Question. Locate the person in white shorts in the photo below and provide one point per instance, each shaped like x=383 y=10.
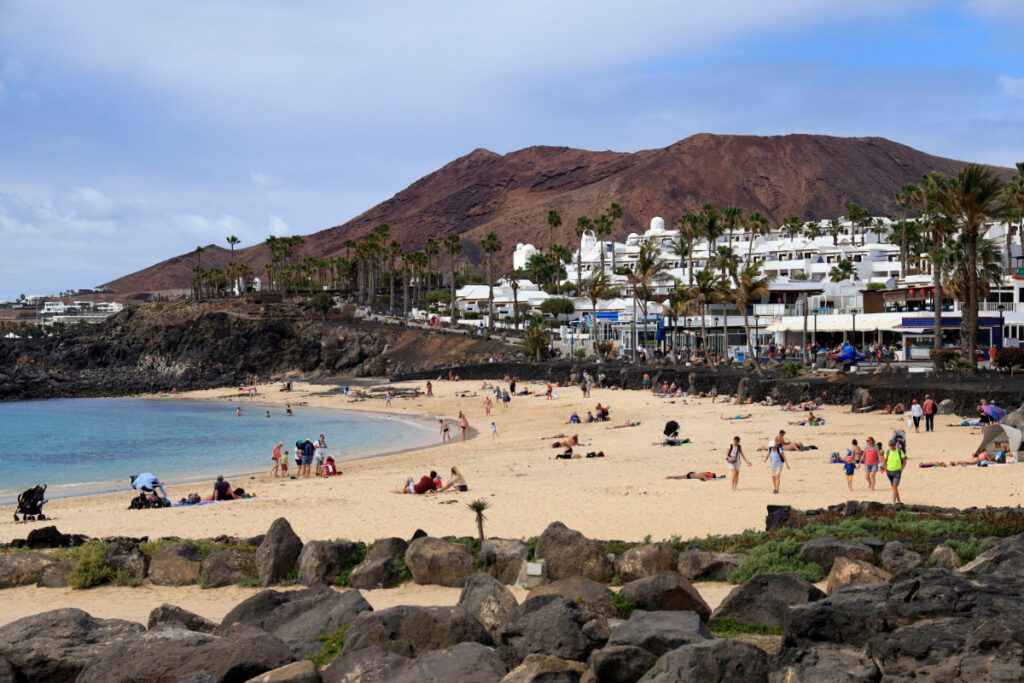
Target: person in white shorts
x=732 y=456
x=776 y=460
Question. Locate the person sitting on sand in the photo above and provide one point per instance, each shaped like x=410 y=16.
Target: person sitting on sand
x=426 y=485
x=457 y=481
x=590 y=417
x=810 y=421
x=329 y=469
x=745 y=416
x=222 y=490
x=980 y=456
x=897 y=409
x=702 y=476
x=627 y=423
x=574 y=418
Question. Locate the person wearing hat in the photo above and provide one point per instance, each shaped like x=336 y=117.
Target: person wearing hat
x=930 y=408
x=895 y=461
x=916 y=413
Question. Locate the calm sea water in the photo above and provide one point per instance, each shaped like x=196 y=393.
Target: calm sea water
x=77 y=445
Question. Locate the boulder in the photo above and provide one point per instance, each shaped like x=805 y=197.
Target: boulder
x=377 y=570
x=944 y=557
x=920 y=650
x=668 y=591
x=659 y=632
x=22 y=569
x=322 y=561
x=644 y=561
x=298 y=617
x=502 y=558
x=532 y=574
x=946 y=407
x=487 y=599
x=618 y=663
x=177 y=654
x=227 y=568
x=54 y=646
x=743 y=389
x=569 y=553
x=55 y=575
x=766 y=598
x=846 y=570
x=175 y=565
x=861 y=401
x=698 y=564
x=722 y=659
x=365 y=665
x=302 y=671
x=172 y=614
x=1005 y=558
x=7 y=672
x=46 y=538
x=817 y=663
x=278 y=553
x=544 y=669
x=896 y=557
x=825 y=550
x=410 y=630
x=438 y=562
x=125 y=557
x=550 y=625
x=778 y=516
x=464 y=662
x=590 y=595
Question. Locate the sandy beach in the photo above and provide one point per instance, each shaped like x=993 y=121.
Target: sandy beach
x=624 y=495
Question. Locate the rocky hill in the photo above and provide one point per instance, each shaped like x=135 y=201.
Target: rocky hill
x=155 y=347
x=812 y=176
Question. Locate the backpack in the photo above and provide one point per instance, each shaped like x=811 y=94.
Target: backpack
x=732 y=457
x=834 y=458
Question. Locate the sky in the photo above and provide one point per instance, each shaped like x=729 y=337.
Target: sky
x=132 y=131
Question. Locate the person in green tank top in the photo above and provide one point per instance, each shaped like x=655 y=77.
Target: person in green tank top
x=895 y=461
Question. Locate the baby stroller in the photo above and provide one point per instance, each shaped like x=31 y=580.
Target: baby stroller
x=900 y=437
x=146 y=499
x=30 y=503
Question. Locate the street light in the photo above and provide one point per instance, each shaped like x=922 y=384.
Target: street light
x=854 y=339
x=814 y=337
x=757 y=337
x=1001 y=309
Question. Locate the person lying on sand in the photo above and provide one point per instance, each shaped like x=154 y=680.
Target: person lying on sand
x=426 y=485
x=736 y=401
x=788 y=446
x=745 y=416
x=627 y=423
x=980 y=455
x=671 y=441
x=703 y=476
x=810 y=420
x=574 y=440
x=570 y=456
x=768 y=401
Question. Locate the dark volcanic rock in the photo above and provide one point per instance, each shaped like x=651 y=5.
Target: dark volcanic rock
x=721 y=659
x=618 y=663
x=175 y=565
x=666 y=591
x=298 y=617
x=823 y=663
x=53 y=647
x=377 y=569
x=502 y=558
x=487 y=599
x=659 y=632
x=172 y=614
x=545 y=669
x=766 y=599
x=47 y=537
x=896 y=558
x=825 y=550
x=227 y=568
x=698 y=564
x=55 y=575
x=322 y=561
x=125 y=556
x=1008 y=556
x=588 y=594
x=278 y=552
x=410 y=631
x=302 y=671
x=550 y=625
x=22 y=569
x=464 y=662
x=439 y=562
x=569 y=553
x=645 y=561
x=365 y=665
x=178 y=654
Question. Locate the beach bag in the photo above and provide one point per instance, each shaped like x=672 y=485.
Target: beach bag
x=834 y=458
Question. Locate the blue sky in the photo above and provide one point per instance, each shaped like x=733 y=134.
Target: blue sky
x=131 y=131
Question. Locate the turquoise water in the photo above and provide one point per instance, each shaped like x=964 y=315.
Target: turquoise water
x=82 y=444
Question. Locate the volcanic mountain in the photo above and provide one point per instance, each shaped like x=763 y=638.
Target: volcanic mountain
x=811 y=176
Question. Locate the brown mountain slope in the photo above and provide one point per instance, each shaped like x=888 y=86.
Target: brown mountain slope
x=812 y=176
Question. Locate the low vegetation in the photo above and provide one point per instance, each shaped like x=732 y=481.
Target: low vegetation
x=727 y=628
x=333 y=645
x=88 y=568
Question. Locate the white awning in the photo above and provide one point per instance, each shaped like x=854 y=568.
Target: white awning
x=866 y=322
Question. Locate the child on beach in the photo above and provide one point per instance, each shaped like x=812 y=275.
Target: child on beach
x=494 y=430
x=849 y=467
x=284 y=464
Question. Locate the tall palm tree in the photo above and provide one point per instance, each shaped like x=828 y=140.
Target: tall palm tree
x=939 y=226
x=812 y=230
x=431 y=249
x=490 y=245
x=647 y=272
x=680 y=299
x=394 y=251
x=707 y=289
x=956 y=278
x=835 y=228
x=513 y=277
x=793 y=225
x=909 y=196
x=758 y=226
x=614 y=213
x=731 y=217
x=583 y=223
x=750 y=285
x=554 y=221
x=859 y=216
x=710 y=225
x=602 y=229
x=453 y=247
x=689 y=228
x=971 y=199
x=232 y=241
x=599 y=286
x=560 y=255
x=199 y=256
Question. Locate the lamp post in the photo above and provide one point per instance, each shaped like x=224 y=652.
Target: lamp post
x=854 y=338
x=1001 y=309
x=757 y=337
x=814 y=335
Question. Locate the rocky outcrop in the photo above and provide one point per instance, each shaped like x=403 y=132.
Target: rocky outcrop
x=302 y=671
x=826 y=662
x=278 y=553
x=502 y=558
x=697 y=564
x=175 y=565
x=377 y=570
x=712 y=660
x=323 y=561
x=167 y=614
x=365 y=665
x=550 y=625
x=410 y=631
x=545 y=669
x=487 y=599
x=618 y=663
x=659 y=632
x=590 y=595
x=1006 y=557
x=825 y=550
x=845 y=570
x=22 y=569
x=439 y=562
x=896 y=557
x=124 y=557
x=667 y=591
x=945 y=557
x=644 y=561
x=468 y=662
x=227 y=568
x=570 y=553
x=766 y=598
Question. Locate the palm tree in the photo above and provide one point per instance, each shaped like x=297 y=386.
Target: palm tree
x=554 y=221
x=490 y=245
x=909 y=196
x=1013 y=201
x=512 y=277
x=731 y=217
x=859 y=216
x=232 y=241
x=540 y=267
x=750 y=285
x=453 y=247
x=710 y=225
x=812 y=230
x=394 y=251
x=758 y=226
x=969 y=201
x=199 y=256
x=599 y=286
x=844 y=270
x=834 y=228
x=793 y=226
x=680 y=299
x=939 y=226
x=561 y=255
x=689 y=229
x=431 y=249
x=479 y=506
x=707 y=289
x=648 y=271
x=583 y=223
x=989 y=273
x=602 y=229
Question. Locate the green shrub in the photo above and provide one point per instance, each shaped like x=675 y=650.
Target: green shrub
x=791 y=369
x=773 y=557
x=150 y=548
x=88 y=569
x=333 y=645
x=125 y=578
x=350 y=564
x=401 y=569
x=531 y=546
x=624 y=607
x=967 y=550
x=727 y=628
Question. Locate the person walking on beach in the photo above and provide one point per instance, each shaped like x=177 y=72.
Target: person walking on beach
x=733 y=455
x=463 y=425
x=430 y=389
x=320 y=453
x=275 y=457
x=776 y=460
x=929 y=408
x=494 y=430
x=445 y=433
x=871 y=456
x=284 y=464
x=895 y=461
x=487 y=405
x=387 y=400
x=916 y=413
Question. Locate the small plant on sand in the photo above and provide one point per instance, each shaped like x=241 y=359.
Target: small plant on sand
x=479 y=506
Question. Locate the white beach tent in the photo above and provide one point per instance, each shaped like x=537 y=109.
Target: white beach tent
x=999 y=433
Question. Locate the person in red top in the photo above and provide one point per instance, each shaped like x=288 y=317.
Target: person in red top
x=930 y=408
x=426 y=484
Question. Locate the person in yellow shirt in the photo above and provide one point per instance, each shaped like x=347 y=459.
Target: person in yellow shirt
x=895 y=461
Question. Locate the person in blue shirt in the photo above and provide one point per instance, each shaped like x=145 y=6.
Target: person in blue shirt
x=147 y=483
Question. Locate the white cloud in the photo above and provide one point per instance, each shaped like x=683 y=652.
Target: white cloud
x=263 y=179
x=1013 y=87
x=90 y=201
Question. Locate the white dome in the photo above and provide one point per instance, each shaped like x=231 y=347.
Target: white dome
x=657 y=224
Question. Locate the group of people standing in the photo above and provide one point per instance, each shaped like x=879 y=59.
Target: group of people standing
x=307 y=452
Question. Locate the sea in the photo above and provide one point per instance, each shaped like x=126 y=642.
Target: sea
x=86 y=445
